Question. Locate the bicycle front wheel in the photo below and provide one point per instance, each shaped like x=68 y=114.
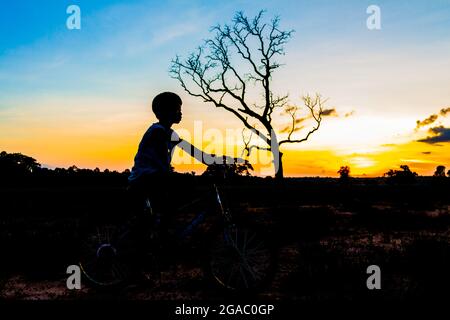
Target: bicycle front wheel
x=241 y=259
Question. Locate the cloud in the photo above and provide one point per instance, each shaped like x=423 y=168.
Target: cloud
x=431 y=119
x=333 y=113
x=325 y=113
x=438 y=134
x=349 y=114
x=444 y=111
x=289 y=128
x=437 y=130
x=329 y=113
x=426 y=152
x=175 y=31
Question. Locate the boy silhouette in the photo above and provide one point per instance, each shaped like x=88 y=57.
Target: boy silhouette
x=152 y=174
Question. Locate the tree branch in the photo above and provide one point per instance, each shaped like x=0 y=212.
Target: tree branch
x=311 y=104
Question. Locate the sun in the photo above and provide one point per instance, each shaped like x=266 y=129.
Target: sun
x=361 y=162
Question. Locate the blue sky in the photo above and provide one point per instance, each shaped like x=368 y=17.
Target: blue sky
x=30 y=23
x=127 y=46
x=111 y=69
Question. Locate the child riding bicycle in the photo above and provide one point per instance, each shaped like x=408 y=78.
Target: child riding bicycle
x=152 y=174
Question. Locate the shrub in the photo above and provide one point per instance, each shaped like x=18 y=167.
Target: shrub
x=405 y=175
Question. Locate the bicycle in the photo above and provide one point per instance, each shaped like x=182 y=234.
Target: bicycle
x=239 y=257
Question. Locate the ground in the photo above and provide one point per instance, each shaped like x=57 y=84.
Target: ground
x=325 y=233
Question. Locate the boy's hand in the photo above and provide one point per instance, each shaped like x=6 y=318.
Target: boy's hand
x=231 y=160
x=239 y=160
x=222 y=160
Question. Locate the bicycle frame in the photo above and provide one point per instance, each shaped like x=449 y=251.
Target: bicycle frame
x=199 y=218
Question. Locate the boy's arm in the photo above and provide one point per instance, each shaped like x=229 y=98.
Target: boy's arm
x=196 y=153
x=204 y=157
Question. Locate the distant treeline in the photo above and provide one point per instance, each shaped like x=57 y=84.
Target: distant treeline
x=16 y=168
x=403 y=175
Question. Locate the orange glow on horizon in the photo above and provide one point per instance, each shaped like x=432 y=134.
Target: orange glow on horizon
x=112 y=143
x=118 y=155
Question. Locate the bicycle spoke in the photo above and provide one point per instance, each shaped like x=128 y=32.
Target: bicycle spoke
x=244 y=247
x=249 y=269
x=108 y=240
x=251 y=238
x=231 y=274
x=240 y=259
x=243 y=276
x=99 y=238
x=117 y=271
x=100 y=263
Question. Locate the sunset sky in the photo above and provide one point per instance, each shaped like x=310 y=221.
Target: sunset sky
x=83 y=97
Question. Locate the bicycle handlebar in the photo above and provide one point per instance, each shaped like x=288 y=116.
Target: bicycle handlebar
x=223 y=160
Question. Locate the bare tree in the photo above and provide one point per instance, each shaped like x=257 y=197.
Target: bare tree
x=213 y=74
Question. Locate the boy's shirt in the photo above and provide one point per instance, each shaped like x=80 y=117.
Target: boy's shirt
x=155 y=152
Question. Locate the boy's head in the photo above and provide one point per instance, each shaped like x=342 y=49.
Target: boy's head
x=167 y=107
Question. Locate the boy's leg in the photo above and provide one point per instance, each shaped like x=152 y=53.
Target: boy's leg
x=146 y=207
x=156 y=193
x=164 y=193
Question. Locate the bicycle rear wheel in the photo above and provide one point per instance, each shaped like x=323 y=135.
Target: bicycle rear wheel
x=106 y=255
x=241 y=259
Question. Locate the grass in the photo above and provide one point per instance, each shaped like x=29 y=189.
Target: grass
x=327 y=234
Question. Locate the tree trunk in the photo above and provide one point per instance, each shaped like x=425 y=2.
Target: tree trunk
x=278 y=168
